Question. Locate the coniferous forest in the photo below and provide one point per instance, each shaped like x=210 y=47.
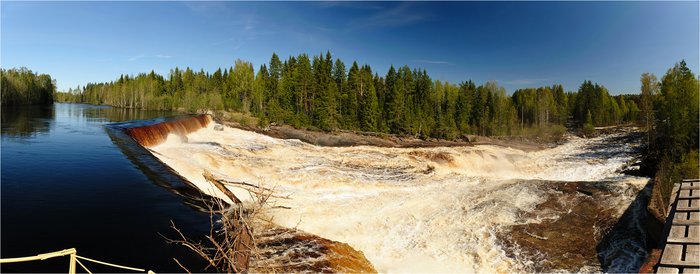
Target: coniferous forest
x=322 y=93
x=670 y=114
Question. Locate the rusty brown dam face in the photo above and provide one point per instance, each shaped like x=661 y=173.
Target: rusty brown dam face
x=155 y=134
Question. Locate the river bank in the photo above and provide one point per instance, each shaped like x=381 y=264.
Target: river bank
x=344 y=138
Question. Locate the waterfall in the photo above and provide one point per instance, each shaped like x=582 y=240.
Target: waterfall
x=155 y=134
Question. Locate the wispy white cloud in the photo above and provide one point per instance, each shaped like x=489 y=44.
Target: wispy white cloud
x=136 y=57
x=435 y=62
x=163 y=56
x=400 y=15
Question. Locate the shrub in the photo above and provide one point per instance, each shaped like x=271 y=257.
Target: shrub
x=588 y=130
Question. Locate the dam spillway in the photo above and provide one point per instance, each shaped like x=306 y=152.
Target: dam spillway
x=442 y=209
x=155 y=134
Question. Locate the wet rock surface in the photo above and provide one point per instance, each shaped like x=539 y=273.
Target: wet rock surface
x=574 y=219
x=293 y=251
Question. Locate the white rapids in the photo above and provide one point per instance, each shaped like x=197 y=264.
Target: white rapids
x=406 y=209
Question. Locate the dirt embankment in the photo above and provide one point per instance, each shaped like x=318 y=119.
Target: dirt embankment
x=347 y=138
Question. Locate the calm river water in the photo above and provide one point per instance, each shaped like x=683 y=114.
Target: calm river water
x=69 y=180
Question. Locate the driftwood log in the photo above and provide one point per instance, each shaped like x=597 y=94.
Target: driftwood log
x=243 y=243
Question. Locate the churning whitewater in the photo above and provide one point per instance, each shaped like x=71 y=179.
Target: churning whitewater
x=407 y=209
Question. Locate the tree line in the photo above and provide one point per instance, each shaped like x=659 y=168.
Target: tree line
x=320 y=92
x=24 y=87
x=670 y=113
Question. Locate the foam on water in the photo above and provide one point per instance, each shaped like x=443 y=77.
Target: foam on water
x=407 y=209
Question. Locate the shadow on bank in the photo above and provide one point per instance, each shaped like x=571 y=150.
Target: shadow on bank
x=625 y=248
x=159 y=173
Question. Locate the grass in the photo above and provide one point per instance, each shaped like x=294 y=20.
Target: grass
x=244 y=119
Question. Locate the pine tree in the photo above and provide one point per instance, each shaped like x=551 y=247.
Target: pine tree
x=304 y=89
x=464 y=105
x=391 y=108
x=350 y=97
x=340 y=78
x=323 y=101
x=368 y=104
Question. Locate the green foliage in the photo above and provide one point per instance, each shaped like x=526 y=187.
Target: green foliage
x=672 y=171
x=323 y=103
x=68 y=97
x=540 y=107
x=317 y=92
x=605 y=110
x=588 y=129
x=673 y=135
x=650 y=88
x=552 y=133
x=24 y=87
x=689 y=167
x=368 y=113
x=241 y=86
x=677 y=112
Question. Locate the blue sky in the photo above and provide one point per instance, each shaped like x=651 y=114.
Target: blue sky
x=518 y=44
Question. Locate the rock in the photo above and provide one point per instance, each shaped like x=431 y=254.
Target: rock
x=568 y=242
x=219 y=128
x=292 y=251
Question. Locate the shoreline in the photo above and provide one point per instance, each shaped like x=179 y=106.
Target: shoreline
x=343 y=138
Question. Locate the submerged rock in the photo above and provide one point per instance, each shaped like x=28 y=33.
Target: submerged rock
x=575 y=218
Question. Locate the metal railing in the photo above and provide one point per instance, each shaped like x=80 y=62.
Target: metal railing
x=73 y=253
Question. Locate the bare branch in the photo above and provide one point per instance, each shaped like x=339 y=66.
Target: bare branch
x=182 y=266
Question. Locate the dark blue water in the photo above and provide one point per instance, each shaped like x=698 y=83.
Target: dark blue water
x=71 y=179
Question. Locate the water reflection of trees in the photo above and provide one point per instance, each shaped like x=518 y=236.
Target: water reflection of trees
x=111 y=114
x=158 y=172
x=26 y=121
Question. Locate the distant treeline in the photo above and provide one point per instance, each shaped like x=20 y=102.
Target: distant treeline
x=670 y=112
x=24 y=87
x=321 y=93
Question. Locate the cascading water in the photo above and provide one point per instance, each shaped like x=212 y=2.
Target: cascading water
x=152 y=135
x=440 y=209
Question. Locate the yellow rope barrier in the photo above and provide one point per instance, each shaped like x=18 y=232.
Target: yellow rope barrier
x=42 y=256
x=112 y=265
x=81 y=264
x=70 y=252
